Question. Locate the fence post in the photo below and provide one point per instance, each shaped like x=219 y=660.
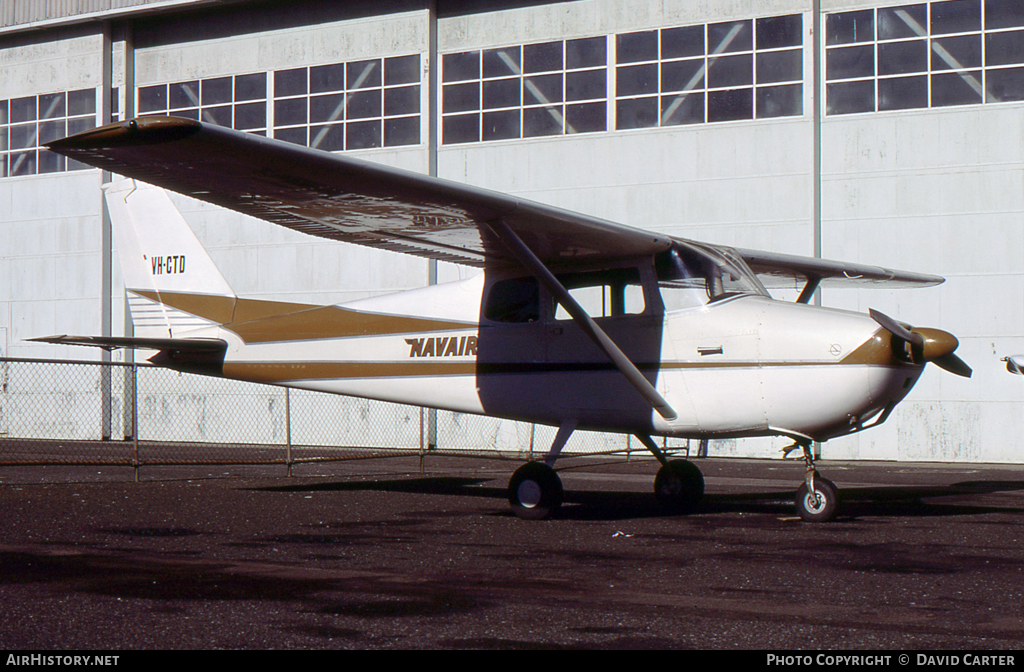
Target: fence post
x=288 y=428
x=135 y=418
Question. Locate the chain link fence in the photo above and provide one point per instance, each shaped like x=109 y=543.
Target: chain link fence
x=100 y=413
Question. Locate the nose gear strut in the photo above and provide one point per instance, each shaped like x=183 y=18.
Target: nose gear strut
x=817 y=498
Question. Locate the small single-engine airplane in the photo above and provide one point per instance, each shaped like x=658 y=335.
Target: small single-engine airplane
x=575 y=322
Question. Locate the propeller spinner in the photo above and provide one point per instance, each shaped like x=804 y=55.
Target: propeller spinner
x=921 y=345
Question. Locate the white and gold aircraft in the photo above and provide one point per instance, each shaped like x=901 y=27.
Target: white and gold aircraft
x=575 y=322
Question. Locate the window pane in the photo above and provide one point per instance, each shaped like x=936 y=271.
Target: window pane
x=52 y=130
x=295 y=136
x=636 y=79
x=731 y=36
x=633 y=47
x=3 y=138
x=1000 y=49
x=542 y=89
x=959 y=16
x=364 y=104
x=1001 y=85
x=682 y=42
x=502 y=125
x=461 y=66
x=586 y=118
x=502 y=93
x=218 y=115
x=290 y=112
x=954 y=53
x=850 y=27
x=402 y=100
x=730 y=105
x=49 y=162
x=682 y=75
x=402 y=70
x=543 y=57
x=906 y=21
x=152 y=98
x=327 y=78
x=52 y=106
x=585 y=85
x=216 y=91
x=23 y=163
x=731 y=71
x=251 y=115
x=780 y=101
x=363 y=135
x=962 y=88
x=24 y=136
x=82 y=101
x=363 y=74
x=184 y=94
x=683 y=109
x=539 y=121
x=586 y=53
x=850 y=62
x=1004 y=14
x=461 y=128
x=330 y=138
x=461 y=97
x=780 y=31
x=780 y=66
x=502 y=62
x=896 y=58
x=290 y=82
x=327 y=108
x=902 y=93
x=404 y=131
x=850 y=97
x=251 y=87
x=81 y=125
x=23 y=109
x=3 y=112
x=636 y=113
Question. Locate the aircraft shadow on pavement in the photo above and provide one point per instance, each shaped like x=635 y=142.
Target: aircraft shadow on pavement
x=891 y=501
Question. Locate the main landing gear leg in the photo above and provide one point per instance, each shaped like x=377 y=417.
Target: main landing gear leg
x=535 y=490
x=817 y=498
x=679 y=485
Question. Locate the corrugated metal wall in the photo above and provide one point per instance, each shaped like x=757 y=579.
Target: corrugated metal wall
x=24 y=12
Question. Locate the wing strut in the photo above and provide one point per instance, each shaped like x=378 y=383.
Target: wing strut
x=526 y=256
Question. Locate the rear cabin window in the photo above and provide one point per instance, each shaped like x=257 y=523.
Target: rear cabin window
x=604 y=293
x=515 y=300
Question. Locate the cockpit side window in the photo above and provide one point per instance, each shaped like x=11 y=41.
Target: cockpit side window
x=513 y=300
x=607 y=293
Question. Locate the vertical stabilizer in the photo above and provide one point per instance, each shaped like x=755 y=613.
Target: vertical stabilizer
x=173 y=285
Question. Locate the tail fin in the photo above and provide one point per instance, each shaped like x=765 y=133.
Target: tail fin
x=173 y=285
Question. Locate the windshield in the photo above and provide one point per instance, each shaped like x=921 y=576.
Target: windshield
x=691 y=274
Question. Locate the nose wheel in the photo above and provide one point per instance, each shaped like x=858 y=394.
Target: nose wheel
x=817 y=498
x=679 y=486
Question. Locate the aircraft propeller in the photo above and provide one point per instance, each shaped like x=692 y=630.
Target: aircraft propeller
x=921 y=345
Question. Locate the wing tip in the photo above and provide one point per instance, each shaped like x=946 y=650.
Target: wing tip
x=134 y=132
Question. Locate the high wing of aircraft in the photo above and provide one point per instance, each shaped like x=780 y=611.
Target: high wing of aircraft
x=575 y=321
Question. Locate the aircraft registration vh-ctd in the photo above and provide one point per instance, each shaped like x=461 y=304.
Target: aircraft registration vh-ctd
x=574 y=322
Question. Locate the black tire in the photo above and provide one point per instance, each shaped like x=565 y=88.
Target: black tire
x=818 y=509
x=679 y=486
x=535 y=491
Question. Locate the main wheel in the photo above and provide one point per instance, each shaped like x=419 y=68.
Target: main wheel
x=821 y=506
x=679 y=486
x=535 y=491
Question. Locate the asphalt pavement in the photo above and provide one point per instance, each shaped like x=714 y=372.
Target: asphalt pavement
x=410 y=554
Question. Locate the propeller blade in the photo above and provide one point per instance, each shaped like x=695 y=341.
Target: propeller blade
x=896 y=328
x=954 y=364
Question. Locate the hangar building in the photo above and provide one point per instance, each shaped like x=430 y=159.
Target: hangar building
x=873 y=131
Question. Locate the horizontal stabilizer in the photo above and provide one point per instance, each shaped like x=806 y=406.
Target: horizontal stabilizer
x=117 y=342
